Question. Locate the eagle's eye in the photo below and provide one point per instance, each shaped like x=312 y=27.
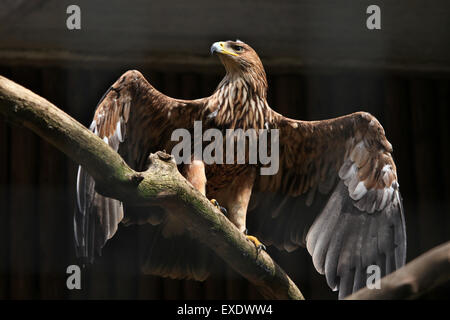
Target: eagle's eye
x=237 y=48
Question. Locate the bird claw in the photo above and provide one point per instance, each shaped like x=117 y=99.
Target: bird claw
x=218 y=206
x=258 y=244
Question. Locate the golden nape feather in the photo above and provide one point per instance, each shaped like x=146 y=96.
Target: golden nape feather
x=335 y=189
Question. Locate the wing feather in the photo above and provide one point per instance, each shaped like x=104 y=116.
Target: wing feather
x=134 y=119
x=337 y=190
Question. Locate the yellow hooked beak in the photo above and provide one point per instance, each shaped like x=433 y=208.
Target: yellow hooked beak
x=219 y=47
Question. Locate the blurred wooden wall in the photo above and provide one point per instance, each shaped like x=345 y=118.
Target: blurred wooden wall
x=37 y=182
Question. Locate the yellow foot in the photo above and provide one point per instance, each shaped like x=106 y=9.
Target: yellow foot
x=259 y=246
x=216 y=204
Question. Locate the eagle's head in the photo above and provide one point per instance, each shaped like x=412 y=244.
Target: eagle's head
x=241 y=62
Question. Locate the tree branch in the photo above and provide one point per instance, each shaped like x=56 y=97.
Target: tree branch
x=161 y=184
x=429 y=272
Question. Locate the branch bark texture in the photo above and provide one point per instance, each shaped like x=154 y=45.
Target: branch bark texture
x=161 y=184
x=427 y=273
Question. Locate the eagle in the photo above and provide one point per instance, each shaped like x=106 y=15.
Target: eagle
x=336 y=191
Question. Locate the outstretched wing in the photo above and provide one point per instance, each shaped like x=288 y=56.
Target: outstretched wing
x=134 y=119
x=336 y=190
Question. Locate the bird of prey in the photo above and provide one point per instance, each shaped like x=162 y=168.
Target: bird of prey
x=336 y=190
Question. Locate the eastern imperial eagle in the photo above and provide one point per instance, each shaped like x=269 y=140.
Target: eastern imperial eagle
x=336 y=189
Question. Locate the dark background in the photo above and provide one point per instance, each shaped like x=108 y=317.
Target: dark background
x=321 y=62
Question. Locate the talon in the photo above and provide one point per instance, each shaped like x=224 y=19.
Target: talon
x=259 y=246
x=218 y=206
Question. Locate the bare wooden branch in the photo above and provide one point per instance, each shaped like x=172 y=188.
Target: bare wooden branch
x=426 y=273
x=160 y=184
